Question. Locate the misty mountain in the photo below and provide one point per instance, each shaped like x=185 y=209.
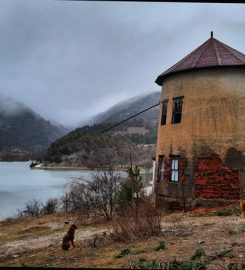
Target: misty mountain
x=23 y=132
x=129 y=107
x=83 y=145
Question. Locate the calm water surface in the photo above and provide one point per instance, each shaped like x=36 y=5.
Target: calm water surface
x=19 y=184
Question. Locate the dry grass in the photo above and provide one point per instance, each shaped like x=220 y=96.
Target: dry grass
x=34 y=229
x=21 y=228
x=208 y=233
x=140 y=220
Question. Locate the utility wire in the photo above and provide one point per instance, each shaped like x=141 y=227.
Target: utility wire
x=107 y=129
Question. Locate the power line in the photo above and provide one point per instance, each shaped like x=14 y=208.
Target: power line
x=107 y=129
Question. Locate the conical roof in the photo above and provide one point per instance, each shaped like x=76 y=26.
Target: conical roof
x=211 y=53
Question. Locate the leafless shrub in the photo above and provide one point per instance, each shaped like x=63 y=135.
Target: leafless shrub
x=130 y=188
x=79 y=203
x=32 y=209
x=97 y=240
x=50 y=207
x=35 y=208
x=140 y=220
x=64 y=200
x=96 y=196
x=228 y=227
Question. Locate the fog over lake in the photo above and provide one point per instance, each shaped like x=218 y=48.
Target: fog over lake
x=20 y=184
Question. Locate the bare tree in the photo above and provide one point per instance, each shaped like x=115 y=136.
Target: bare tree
x=78 y=200
x=65 y=198
x=32 y=208
x=50 y=207
x=97 y=195
x=138 y=220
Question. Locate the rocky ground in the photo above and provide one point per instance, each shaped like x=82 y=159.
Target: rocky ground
x=37 y=242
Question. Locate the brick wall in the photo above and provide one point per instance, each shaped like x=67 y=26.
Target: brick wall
x=215 y=180
x=182 y=167
x=166 y=170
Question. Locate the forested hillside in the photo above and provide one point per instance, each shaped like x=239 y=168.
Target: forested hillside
x=85 y=145
x=24 y=134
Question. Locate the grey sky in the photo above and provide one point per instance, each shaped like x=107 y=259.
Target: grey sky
x=70 y=60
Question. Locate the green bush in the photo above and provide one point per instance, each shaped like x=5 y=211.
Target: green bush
x=161 y=245
x=241 y=228
x=228 y=212
x=234 y=211
x=194 y=263
x=235 y=266
x=123 y=252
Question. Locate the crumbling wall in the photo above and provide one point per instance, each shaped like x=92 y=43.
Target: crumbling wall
x=211 y=135
x=235 y=159
x=215 y=180
x=175 y=195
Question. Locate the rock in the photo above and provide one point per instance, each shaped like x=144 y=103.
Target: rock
x=201 y=241
x=16 y=256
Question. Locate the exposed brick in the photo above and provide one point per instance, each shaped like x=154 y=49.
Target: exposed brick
x=214 y=180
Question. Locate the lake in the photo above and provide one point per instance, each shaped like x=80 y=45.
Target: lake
x=20 y=184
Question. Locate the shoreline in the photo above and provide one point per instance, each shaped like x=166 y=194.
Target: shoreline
x=61 y=168
x=80 y=168
x=71 y=168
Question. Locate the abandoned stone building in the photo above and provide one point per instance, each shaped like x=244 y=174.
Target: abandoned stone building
x=200 y=153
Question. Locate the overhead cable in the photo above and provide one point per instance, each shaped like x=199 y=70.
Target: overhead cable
x=119 y=123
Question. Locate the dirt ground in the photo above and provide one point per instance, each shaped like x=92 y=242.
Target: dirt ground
x=36 y=242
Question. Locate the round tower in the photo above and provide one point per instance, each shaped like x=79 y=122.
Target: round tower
x=201 y=131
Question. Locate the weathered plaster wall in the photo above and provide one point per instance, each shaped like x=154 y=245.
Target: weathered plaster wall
x=213 y=112
x=211 y=135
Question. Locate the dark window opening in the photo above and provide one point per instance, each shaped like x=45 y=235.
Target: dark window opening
x=164 y=113
x=174 y=173
x=160 y=168
x=177 y=110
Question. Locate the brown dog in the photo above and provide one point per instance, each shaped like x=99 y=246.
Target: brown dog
x=69 y=237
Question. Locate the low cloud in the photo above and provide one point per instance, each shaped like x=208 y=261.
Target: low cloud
x=9 y=106
x=69 y=60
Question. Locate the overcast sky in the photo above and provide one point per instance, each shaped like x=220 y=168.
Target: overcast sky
x=69 y=60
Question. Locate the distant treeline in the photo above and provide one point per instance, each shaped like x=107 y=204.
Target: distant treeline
x=85 y=145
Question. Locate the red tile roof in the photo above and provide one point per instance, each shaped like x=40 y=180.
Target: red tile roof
x=211 y=53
